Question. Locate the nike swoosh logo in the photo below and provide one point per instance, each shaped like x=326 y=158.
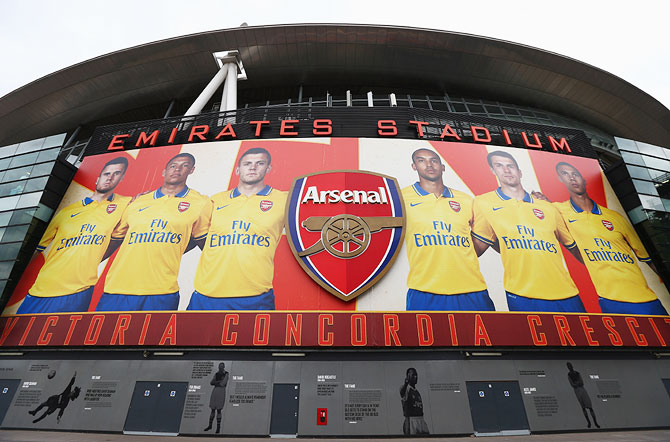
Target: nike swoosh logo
x=414 y=204
x=221 y=207
x=497 y=208
x=74 y=214
x=572 y=220
x=143 y=208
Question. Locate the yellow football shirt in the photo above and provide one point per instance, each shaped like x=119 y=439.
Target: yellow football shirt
x=528 y=232
x=442 y=259
x=80 y=234
x=238 y=258
x=156 y=229
x=607 y=243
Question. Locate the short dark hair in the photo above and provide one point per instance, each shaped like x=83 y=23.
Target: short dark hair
x=118 y=160
x=255 y=150
x=563 y=163
x=500 y=153
x=427 y=150
x=411 y=369
x=183 y=154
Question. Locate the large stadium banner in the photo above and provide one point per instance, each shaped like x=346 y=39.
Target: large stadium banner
x=339 y=242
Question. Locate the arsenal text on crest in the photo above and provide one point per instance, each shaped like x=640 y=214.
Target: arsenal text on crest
x=347 y=196
x=345 y=228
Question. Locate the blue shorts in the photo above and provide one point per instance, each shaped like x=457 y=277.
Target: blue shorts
x=136 y=303
x=264 y=301
x=470 y=302
x=518 y=303
x=632 y=308
x=76 y=302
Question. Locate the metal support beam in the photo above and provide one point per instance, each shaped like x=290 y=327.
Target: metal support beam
x=207 y=93
x=169 y=109
x=72 y=137
x=231 y=83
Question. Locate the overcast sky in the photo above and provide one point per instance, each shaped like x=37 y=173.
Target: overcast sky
x=628 y=39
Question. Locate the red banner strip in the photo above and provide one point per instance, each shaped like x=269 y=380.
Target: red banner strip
x=333 y=329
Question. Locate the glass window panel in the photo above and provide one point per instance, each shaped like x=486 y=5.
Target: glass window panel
x=30 y=146
x=8 y=151
x=657 y=163
x=476 y=108
x=526 y=113
x=17 y=174
x=651 y=202
x=43 y=212
x=23 y=160
x=637 y=215
x=632 y=158
x=4 y=163
x=35 y=184
x=15 y=233
x=494 y=110
x=23 y=216
x=9 y=202
x=42 y=169
x=10 y=251
x=510 y=111
x=626 y=144
x=14 y=188
x=422 y=104
x=459 y=107
x=54 y=140
x=644 y=187
x=28 y=200
x=666 y=204
x=5 y=269
x=2 y=233
x=657 y=175
x=48 y=155
x=638 y=172
x=5 y=217
x=650 y=149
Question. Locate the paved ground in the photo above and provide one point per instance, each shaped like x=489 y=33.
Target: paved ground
x=594 y=436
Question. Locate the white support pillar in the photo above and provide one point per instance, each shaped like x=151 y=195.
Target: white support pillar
x=224 y=95
x=231 y=86
x=207 y=93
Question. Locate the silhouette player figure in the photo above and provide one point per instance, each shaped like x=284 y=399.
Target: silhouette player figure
x=577 y=383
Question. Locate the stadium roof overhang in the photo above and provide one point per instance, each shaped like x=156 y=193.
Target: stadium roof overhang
x=283 y=55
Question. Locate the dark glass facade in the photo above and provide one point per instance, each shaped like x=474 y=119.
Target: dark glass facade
x=32 y=182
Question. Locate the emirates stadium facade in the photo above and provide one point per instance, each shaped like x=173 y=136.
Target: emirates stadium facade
x=334 y=230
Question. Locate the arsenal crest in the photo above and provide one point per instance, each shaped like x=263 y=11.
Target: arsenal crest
x=266 y=205
x=111 y=208
x=538 y=213
x=345 y=228
x=608 y=225
x=455 y=206
x=183 y=206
